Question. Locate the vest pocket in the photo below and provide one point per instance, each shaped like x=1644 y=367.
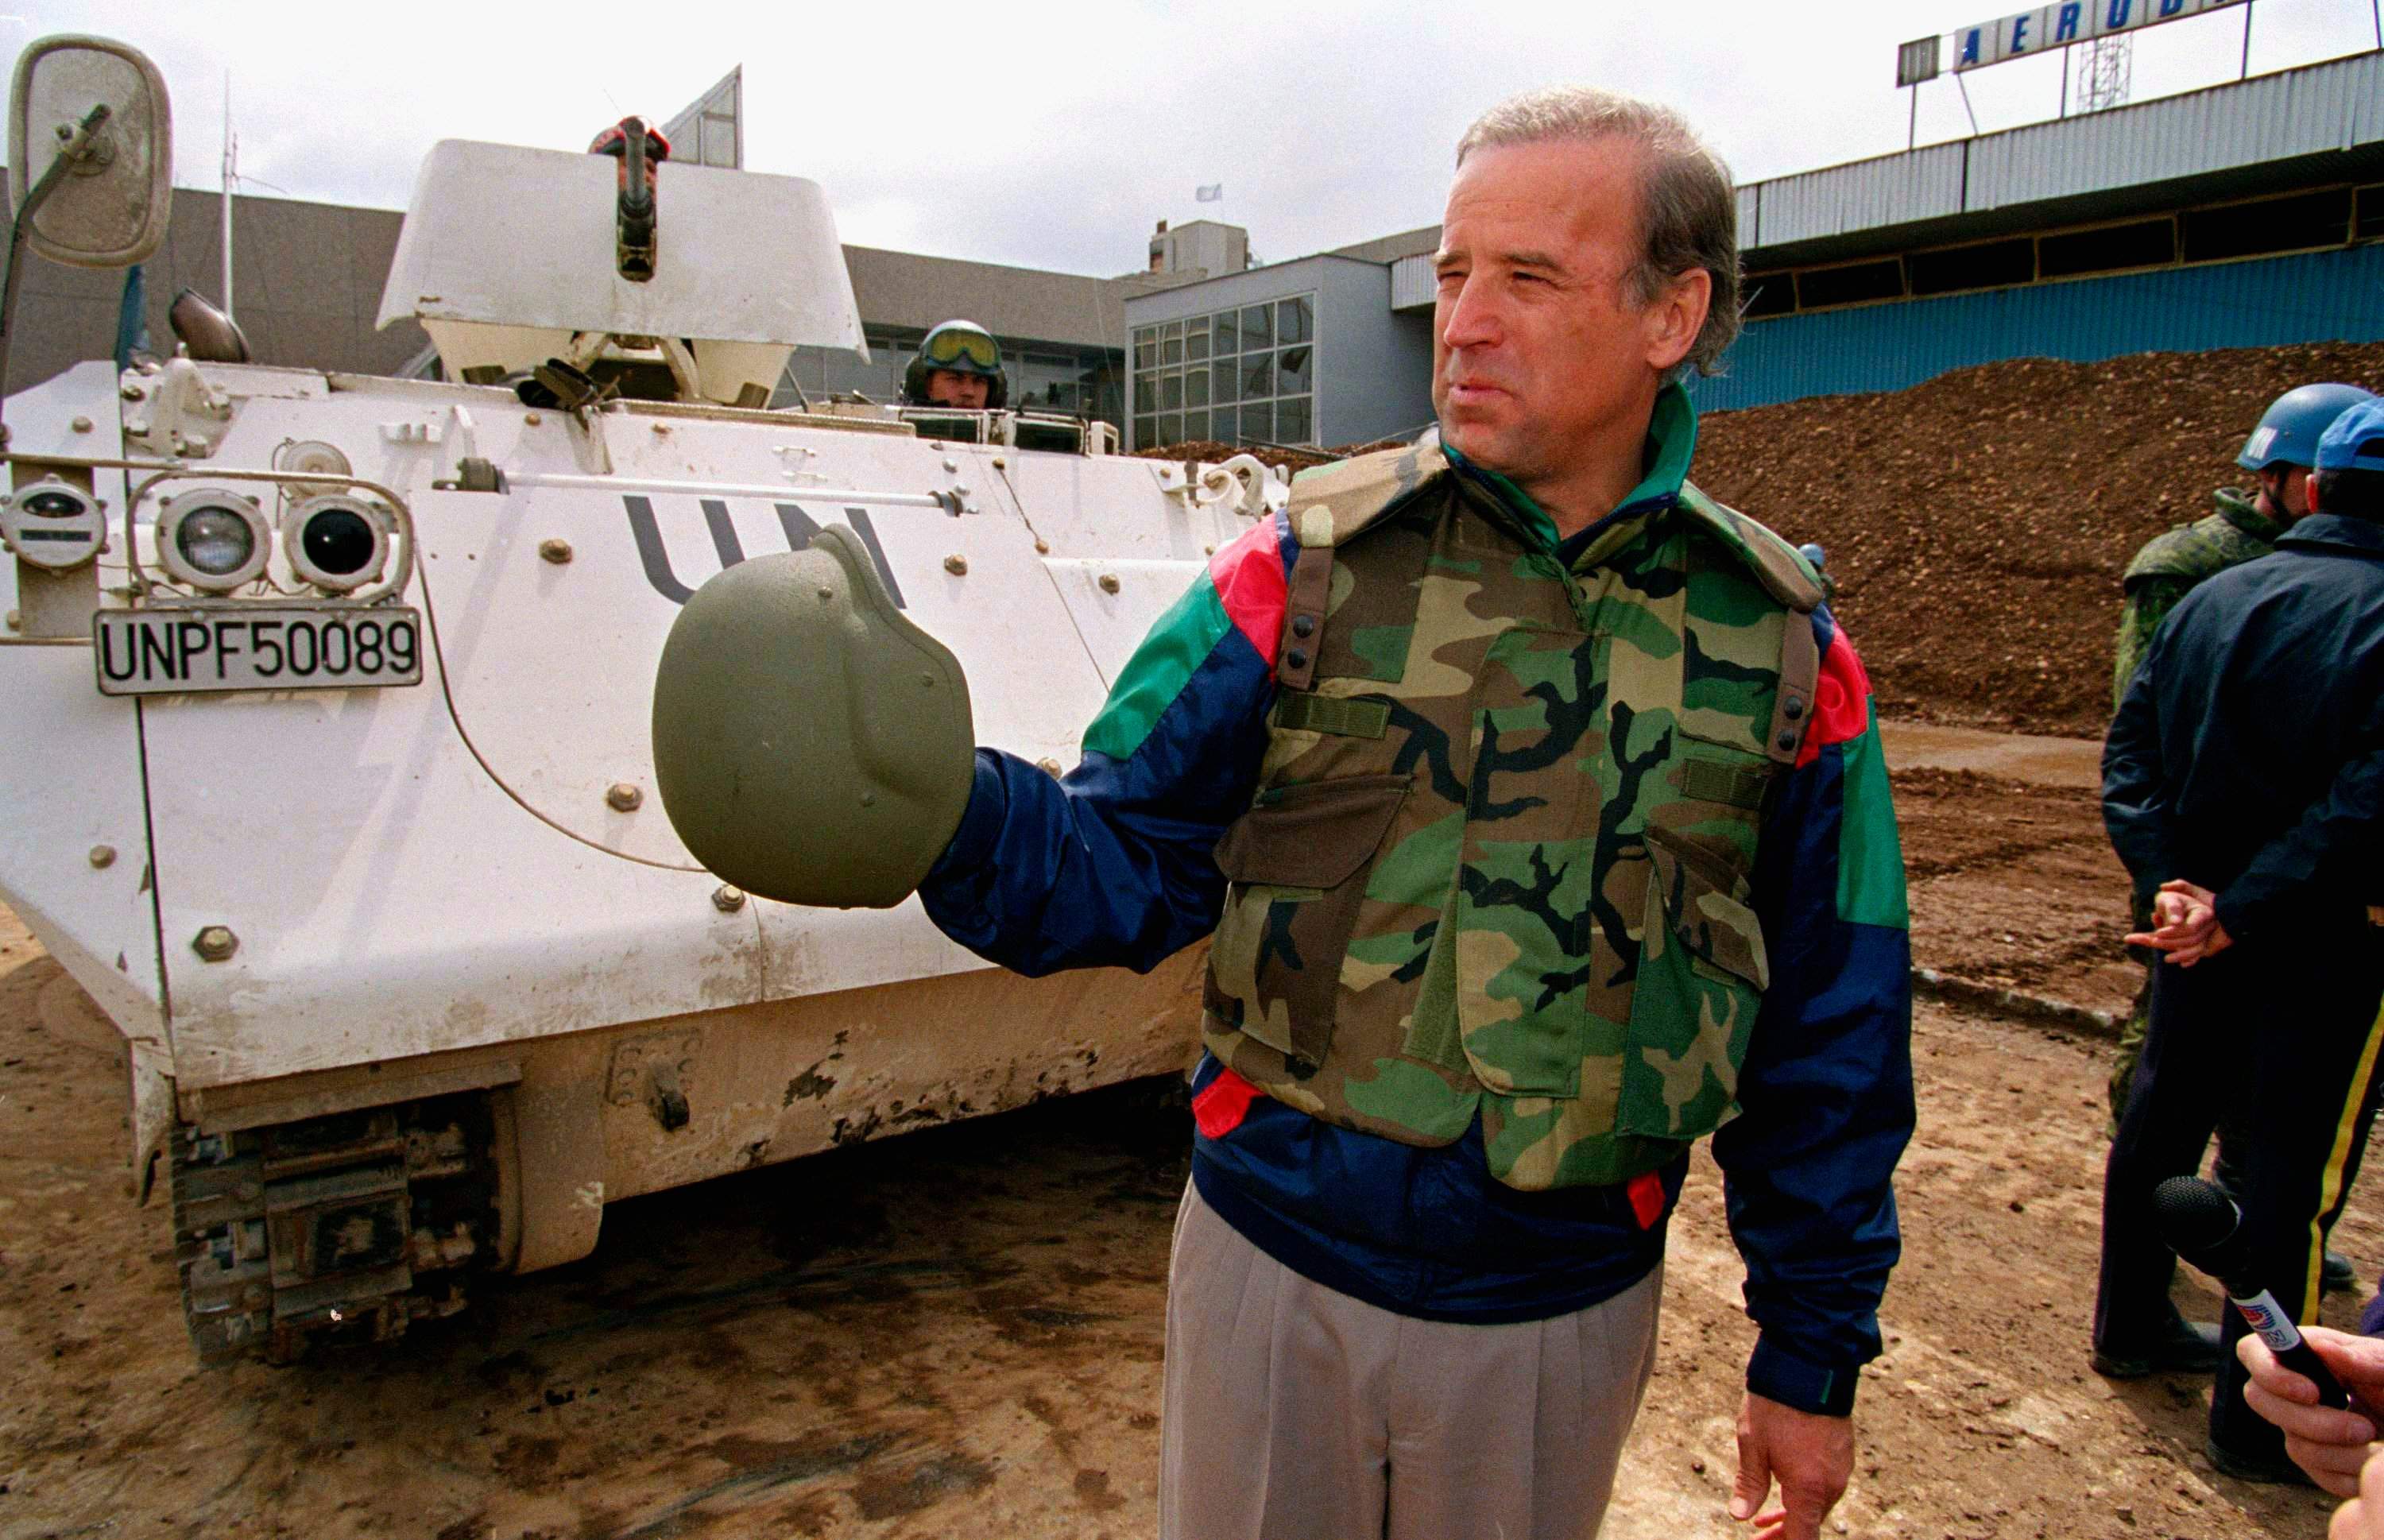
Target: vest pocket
x=1702 y=973
x=1298 y=861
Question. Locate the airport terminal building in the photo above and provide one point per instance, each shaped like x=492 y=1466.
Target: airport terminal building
x=2249 y=214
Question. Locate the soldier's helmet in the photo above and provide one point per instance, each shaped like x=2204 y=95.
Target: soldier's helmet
x=963 y=347
x=2290 y=429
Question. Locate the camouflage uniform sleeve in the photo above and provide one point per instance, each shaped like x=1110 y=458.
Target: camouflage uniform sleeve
x=1113 y=865
x=1825 y=1095
x=2135 y=812
x=2149 y=602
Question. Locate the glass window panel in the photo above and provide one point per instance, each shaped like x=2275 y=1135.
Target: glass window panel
x=1293 y=371
x=1145 y=392
x=1228 y=333
x=1293 y=424
x=1171 y=350
x=1224 y=425
x=1294 y=321
x=1195 y=425
x=1172 y=329
x=1146 y=432
x=1146 y=353
x=1258 y=422
x=1257 y=326
x=1195 y=344
x=1223 y=380
x=1196 y=387
x=1141 y=334
x=1258 y=375
x=1171 y=428
x=1170 y=392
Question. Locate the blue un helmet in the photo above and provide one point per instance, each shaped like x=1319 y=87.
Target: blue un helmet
x=2291 y=427
x=962 y=347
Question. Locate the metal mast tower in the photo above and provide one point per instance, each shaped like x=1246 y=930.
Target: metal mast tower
x=2110 y=67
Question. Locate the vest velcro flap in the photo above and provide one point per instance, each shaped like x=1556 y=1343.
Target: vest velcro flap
x=1314 y=834
x=1298 y=712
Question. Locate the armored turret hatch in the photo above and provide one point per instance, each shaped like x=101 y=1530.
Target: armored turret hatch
x=509 y=255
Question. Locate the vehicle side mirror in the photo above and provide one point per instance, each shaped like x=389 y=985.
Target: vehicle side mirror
x=109 y=208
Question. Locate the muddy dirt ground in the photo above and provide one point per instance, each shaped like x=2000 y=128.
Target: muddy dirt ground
x=959 y=1330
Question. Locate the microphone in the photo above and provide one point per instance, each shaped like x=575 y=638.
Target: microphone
x=2198 y=1221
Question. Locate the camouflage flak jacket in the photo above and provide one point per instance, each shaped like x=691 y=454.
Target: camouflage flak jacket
x=1497 y=860
x=2168 y=567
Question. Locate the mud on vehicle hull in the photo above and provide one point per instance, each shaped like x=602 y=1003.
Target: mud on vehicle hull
x=354 y=1223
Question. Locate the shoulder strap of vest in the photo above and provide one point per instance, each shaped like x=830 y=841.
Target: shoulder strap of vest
x=1332 y=503
x=1788 y=578
x=1779 y=566
x=1329 y=506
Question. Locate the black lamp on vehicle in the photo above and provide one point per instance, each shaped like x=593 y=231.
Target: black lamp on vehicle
x=213 y=540
x=53 y=524
x=337 y=543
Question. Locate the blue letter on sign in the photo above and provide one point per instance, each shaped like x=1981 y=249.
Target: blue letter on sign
x=2171 y=7
x=2066 y=29
x=1970 y=45
x=2118 y=14
x=2019 y=34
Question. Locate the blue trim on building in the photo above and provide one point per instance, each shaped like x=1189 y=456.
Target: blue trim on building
x=2317 y=297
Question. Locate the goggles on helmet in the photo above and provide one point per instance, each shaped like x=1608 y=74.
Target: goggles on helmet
x=956 y=348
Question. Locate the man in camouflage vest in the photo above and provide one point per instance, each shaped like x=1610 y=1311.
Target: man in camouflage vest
x=1535 y=802
x=2279 y=454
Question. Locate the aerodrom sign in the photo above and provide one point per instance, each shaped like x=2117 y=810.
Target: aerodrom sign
x=2051 y=27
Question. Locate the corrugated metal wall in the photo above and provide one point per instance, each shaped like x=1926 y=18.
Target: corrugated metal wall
x=2334 y=106
x=1414 y=282
x=2326 y=106
x=2320 y=296
x=1891 y=190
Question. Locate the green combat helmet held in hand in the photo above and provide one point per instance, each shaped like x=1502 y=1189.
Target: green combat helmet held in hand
x=811 y=744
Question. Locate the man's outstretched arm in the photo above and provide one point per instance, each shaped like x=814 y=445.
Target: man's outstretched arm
x=1112 y=865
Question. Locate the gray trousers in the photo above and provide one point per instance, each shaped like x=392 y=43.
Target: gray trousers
x=1293 y=1412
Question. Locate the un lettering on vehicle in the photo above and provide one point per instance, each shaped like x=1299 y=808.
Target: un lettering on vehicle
x=645 y=530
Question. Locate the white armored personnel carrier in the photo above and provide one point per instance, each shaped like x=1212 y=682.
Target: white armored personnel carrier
x=326 y=703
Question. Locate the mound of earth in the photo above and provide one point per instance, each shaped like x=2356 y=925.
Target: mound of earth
x=1976 y=525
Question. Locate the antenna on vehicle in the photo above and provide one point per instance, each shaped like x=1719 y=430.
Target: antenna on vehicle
x=230 y=180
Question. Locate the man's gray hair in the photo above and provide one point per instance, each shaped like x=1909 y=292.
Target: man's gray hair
x=1685 y=198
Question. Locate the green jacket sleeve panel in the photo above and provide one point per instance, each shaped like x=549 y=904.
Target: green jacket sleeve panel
x=2149 y=602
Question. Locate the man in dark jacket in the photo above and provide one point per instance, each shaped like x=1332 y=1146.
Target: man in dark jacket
x=2244 y=779
x=2278 y=454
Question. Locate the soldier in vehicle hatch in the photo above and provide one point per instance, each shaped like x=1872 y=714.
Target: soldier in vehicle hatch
x=1535 y=806
x=2279 y=454
x=958 y=365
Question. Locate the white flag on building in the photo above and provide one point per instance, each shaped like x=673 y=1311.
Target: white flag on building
x=1213 y=193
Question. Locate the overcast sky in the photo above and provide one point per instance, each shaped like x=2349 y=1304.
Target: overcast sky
x=1054 y=135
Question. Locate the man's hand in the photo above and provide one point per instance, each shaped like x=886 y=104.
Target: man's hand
x=2362 y=1516
x=1812 y=1456
x=2330 y=1444
x=2185 y=925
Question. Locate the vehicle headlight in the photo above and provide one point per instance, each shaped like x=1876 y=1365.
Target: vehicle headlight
x=213 y=540
x=337 y=543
